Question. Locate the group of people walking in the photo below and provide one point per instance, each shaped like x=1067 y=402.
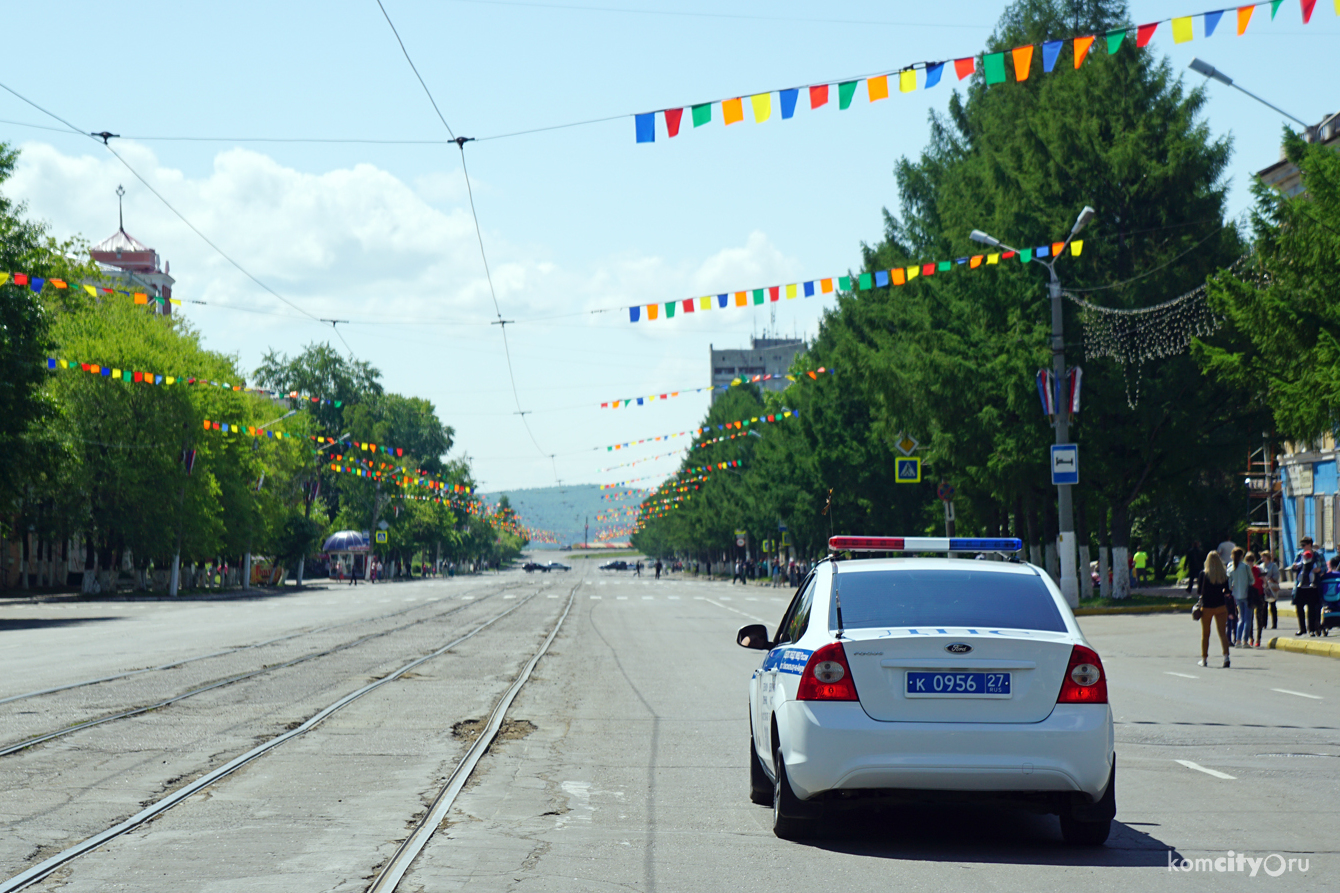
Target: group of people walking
x=1238 y=595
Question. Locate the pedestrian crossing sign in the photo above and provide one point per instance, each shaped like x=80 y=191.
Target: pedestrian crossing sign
x=907 y=471
x=381 y=536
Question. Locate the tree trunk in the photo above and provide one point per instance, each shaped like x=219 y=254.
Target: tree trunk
x=90 y=565
x=1121 y=537
x=1030 y=526
x=1082 y=538
x=1104 y=565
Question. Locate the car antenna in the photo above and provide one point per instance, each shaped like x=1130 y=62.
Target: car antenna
x=837 y=600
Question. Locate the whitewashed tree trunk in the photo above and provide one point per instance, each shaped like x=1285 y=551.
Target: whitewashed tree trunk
x=1035 y=554
x=1085 y=575
x=1104 y=570
x=1121 y=572
x=1053 y=559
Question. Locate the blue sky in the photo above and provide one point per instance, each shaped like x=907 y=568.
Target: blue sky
x=573 y=219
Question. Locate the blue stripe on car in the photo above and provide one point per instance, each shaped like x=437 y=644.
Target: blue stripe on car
x=787 y=660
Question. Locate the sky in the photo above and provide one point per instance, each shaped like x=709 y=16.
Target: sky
x=577 y=222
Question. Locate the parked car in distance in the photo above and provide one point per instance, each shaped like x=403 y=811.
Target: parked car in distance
x=530 y=566
x=558 y=566
x=617 y=564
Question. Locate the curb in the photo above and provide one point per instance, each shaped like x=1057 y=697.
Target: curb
x=1306 y=646
x=1135 y=609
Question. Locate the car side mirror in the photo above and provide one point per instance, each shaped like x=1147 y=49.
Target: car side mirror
x=755 y=635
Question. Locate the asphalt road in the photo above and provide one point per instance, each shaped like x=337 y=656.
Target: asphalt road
x=623 y=766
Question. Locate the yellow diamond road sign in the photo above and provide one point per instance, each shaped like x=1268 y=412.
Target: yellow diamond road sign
x=905 y=443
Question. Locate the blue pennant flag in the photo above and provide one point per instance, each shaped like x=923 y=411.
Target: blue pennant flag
x=646 y=127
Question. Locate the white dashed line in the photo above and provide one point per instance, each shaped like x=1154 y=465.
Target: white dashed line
x=596 y=597
x=1183 y=675
x=1199 y=768
x=622 y=598
x=1298 y=694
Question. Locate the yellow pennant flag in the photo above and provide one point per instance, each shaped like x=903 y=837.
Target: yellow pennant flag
x=993 y=258
x=878 y=88
x=1076 y=247
x=790 y=291
x=907 y=81
x=1182 y=29
x=913 y=273
x=91 y=290
x=705 y=303
x=762 y=103
x=4 y=277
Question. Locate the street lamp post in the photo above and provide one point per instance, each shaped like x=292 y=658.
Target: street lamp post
x=1066 y=544
x=1200 y=66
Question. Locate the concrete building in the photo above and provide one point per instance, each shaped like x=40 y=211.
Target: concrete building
x=1307 y=471
x=130 y=264
x=765 y=356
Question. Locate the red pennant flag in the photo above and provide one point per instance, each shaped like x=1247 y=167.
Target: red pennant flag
x=774 y=292
x=1307 y=10
x=688 y=305
x=138 y=376
x=672 y=117
x=818 y=97
x=928 y=270
x=1144 y=33
x=964 y=67
x=20 y=278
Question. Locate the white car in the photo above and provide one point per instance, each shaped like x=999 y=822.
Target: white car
x=902 y=680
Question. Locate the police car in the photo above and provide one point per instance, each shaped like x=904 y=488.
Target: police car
x=905 y=680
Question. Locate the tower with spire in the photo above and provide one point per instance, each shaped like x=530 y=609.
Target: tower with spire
x=133 y=265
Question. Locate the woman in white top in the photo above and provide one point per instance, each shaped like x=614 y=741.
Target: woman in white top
x=1271 y=571
x=1241 y=580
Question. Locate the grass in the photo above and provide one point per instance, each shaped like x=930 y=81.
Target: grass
x=1135 y=599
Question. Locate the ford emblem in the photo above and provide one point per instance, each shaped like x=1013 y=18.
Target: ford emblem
x=958 y=648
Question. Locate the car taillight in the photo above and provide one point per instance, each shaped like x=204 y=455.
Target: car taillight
x=827 y=676
x=1084 y=682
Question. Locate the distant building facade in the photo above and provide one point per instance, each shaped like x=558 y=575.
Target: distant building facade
x=765 y=356
x=131 y=265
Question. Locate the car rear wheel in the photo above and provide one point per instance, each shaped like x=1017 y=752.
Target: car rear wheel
x=760 y=786
x=791 y=820
x=1090 y=825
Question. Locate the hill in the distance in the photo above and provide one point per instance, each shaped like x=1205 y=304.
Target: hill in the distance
x=564 y=510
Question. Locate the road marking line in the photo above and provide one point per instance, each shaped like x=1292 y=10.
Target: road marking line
x=673 y=598
x=509 y=596
x=1199 y=768
x=1183 y=675
x=729 y=608
x=724 y=598
x=553 y=596
x=622 y=598
x=647 y=598
x=1285 y=691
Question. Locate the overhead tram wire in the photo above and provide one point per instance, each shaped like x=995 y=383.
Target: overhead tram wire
x=479 y=234
x=243 y=270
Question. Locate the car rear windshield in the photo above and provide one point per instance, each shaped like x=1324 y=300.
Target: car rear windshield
x=944 y=598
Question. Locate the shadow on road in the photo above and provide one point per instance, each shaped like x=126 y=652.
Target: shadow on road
x=983 y=835
x=13 y=624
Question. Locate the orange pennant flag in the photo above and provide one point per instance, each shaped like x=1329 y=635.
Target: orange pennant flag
x=975 y=261
x=1057 y=248
x=1023 y=60
x=898 y=277
x=740 y=299
x=1082 y=45
x=826 y=285
x=653 y=310
x=1244 y=16
x=732 y=110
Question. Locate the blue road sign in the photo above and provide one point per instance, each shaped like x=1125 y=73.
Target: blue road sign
x=1065 y=463
x=906 y=471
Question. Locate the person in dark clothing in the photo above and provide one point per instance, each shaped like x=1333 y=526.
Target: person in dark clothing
x=658 y=568
x=1214 y=595
x=1193 y=565
x=1308 y=568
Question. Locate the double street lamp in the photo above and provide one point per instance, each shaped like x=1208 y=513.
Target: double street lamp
x=1066 y=544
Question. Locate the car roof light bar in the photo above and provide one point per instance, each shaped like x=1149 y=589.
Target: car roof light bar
x=924 y=544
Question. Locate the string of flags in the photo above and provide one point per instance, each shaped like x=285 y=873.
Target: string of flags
x=741 y=423
x=734 y=383
x=1017 y=64
x=37 y=283
x=234 y=428
x=364 y=467
x=115 y=374
x=640 y=461
x=701 y=469
x=863 y=282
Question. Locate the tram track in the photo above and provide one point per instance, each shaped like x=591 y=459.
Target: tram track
x=15 y=747
x=220 y=653
x=43 y=869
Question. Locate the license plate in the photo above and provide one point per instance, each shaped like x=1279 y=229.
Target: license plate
x=958 y=685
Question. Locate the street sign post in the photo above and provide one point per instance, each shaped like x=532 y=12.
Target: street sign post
x=1065 y=463
x=381 y=537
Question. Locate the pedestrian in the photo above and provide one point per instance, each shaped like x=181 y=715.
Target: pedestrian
x=637 y=569
x=1141 y=566
x=1329 y=586
x=1270 y=572
x=1213 y=605
x=1257 y=597
x=353 y=571
x=1225 y=550
x=1241 y=580
x=658 y=568
x=1193 y=565
x=1308 y=568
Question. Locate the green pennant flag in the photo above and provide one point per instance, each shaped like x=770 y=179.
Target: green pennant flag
x=1274 y=8
x=845 y=93
x=844 y=283
x=1025 y=255
x=670 y=309
x=1114 y=39
x=993 y=65
x=702 y=114
x=866 y=281
x=758 y=296
x=945 y=265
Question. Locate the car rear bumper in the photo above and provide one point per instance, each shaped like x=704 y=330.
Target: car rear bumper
x=837 y=746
